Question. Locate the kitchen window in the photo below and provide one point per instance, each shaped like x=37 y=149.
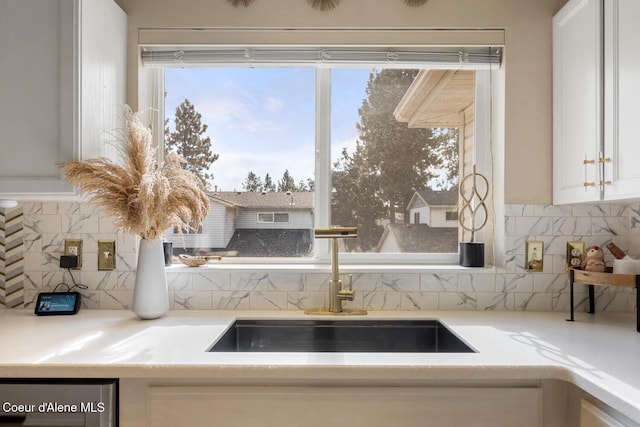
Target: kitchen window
x=341 y=136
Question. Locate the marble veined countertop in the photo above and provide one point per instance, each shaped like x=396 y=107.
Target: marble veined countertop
x=599 y=353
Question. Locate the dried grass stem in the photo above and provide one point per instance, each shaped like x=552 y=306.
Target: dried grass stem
x=143 y=197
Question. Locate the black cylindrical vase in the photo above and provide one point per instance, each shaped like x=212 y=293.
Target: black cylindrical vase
x=168 y=253
x=472 y=254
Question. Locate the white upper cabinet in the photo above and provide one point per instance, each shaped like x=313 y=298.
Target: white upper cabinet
x=577 y=99
x=62 y=88
x=622 y=99
x=595 y=95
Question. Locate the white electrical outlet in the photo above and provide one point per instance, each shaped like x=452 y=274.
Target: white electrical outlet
x=74 y=247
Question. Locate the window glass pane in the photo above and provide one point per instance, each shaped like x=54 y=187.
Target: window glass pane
x=281 y=217
x=400 y=139
x=395 y=147
x=265 y=217
x=249 y=133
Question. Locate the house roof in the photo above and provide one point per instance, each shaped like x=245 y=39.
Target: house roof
x=268 y=200
x=270 y=243
x=422 y=238
x=439 y=198
x=435 y=198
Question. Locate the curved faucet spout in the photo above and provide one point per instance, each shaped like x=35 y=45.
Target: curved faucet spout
x=337 y=293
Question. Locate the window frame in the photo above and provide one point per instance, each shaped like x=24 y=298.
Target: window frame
x=273 y=217
x=152 y=86
x=451 y=215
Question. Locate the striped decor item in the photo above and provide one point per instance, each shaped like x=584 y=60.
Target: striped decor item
x=11 y=258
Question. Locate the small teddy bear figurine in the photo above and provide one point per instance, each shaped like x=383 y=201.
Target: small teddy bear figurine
x=594 y=259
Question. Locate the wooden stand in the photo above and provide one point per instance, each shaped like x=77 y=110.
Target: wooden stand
x=606 y=278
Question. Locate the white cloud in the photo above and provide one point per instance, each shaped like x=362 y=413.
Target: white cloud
x=237 y=113
x=273 y=105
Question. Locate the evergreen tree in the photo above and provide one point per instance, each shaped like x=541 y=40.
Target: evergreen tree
x=311 y=185
x=391 y=161
x=187 y=140
x=252 y=183
x=356 y=200
x=268 y=183
x=287 y=183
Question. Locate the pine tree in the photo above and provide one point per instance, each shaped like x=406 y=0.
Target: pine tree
x=287 y=183
x=187 y=140
x=391 y=160
x=268 y=183
x=252 y=183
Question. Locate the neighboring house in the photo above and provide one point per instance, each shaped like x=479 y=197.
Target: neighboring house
x=434 y=208
x=433 y=225
x=252 y=224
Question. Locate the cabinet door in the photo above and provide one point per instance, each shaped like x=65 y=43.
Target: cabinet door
x=343 y=406
x=577 y=101
x=62 y=89
x=590 y=416
x=37 y=94
x=103 y=76
x=622 y=99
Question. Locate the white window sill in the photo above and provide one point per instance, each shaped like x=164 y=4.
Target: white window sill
x=326 y=267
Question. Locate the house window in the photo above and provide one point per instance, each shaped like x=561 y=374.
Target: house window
x=273 y=217
x=451 y=215
x=326 y=144
x=188 y=230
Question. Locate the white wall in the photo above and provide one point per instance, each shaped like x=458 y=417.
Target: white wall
x=439 y=217
x=216 y=231
x=248 y=218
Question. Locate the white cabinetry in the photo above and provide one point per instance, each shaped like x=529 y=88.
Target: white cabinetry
x=248 y=406
x=591 y=416
x=577 y=99
x=622 y=99
x=62 y=87
x=596 y=140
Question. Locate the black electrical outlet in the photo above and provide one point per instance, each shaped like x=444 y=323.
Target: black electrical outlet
x=68 y=261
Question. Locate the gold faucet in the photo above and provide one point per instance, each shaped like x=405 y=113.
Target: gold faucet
x=337 y=293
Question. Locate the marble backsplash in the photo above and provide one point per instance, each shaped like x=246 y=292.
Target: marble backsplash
x=40 y=228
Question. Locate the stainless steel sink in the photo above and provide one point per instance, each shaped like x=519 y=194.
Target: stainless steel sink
x=371 y=336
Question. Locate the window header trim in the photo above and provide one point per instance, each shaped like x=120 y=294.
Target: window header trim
x=475 y=57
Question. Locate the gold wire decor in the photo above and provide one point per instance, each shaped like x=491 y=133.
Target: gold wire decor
x=237 y=3
x=324 y=4
x=474 y=189
x=415 y=2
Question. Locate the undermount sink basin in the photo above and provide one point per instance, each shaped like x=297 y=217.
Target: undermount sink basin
x=371 y=336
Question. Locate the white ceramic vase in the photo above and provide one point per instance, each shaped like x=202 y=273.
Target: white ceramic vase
x=150 y=295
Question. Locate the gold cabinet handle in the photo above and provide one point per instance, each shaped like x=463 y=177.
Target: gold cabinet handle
x=603 y=183
x=589 y=184
x=588 y=162
x=604 y=160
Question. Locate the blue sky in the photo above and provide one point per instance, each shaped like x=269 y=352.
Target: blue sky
x=263 y=119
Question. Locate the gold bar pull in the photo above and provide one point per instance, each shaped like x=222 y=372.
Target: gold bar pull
x=603 y=183
x=589 y=184
x=588 y=162
x=604 y=160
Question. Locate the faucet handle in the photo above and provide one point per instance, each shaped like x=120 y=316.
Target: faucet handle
x=347 y=292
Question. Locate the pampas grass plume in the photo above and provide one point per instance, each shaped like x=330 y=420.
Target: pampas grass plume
x=142 y=196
